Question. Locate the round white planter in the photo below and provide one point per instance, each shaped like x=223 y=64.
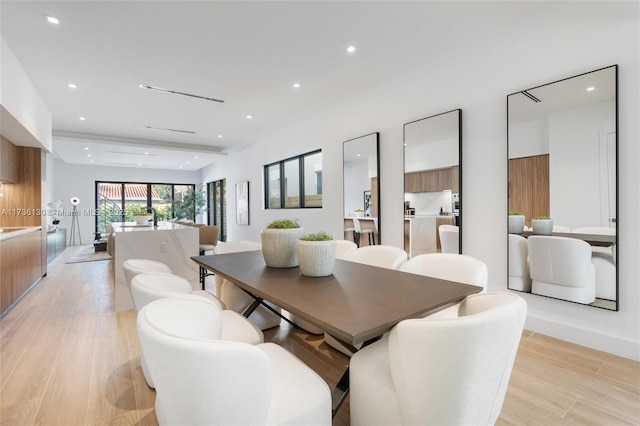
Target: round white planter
x=542 y=226
x=316 y=258
x=143 y=219
x=279 y=246
x=516 y=224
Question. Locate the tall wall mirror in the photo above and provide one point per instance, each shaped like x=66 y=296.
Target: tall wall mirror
x=562 y=150
x=432 y=184
x=361 y=174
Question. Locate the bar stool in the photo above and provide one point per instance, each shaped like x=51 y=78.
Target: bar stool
x=370 y=232
x=133 y=267
x=208 y=242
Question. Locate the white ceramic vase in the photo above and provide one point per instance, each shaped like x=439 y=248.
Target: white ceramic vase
x=316 y=258
x=542 y=226
x=516 y=223
x=279 y=246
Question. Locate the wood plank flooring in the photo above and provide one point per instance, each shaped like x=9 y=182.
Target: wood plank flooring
x=66 y=358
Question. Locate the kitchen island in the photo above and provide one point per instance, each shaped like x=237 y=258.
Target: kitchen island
x=421 y=233
x=170 y=243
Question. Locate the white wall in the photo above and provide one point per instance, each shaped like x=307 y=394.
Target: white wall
x=73 y=180
x=564 y=39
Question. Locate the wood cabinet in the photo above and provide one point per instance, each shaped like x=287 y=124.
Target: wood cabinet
x=8 y=161
x=529 y=186
x=21 y=259
x=433 y=180
x=56 y=242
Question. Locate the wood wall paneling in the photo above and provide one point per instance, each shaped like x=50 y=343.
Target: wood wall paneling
x=21 y=204
x=529 y=186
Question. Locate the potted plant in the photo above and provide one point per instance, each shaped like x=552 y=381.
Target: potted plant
x=516 y=222
x=316 y=254
x=542 y=225
x=279 y=240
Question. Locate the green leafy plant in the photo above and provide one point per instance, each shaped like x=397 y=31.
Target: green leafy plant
x=284 y=224
x=191 y=204
x=320 y=236
x=515 y=213
x=542 y=218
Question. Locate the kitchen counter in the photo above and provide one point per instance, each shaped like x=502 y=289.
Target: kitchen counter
x=9 y=232
x=170 y=243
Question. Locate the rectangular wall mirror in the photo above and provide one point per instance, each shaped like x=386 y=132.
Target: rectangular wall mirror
x=563 y=189
x=361 y=197
x=432 y=184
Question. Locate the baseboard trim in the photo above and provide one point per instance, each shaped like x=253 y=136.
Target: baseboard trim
x=592 y=339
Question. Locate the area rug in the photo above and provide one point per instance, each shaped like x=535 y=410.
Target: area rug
x=88 y=254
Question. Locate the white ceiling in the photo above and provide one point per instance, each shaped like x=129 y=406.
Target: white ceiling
x=248 y=54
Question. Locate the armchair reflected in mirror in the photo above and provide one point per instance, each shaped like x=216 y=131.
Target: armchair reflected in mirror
x=361 y=196
x=432 y=184
x=562 y=153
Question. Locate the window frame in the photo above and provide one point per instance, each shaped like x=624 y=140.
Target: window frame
x=282 y=181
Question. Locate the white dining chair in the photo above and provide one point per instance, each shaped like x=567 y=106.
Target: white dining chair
x=383 y=256
x=519 y=276
x=449 y=238
x=452 y=267
x=147 y=288
x=562 y=268
x=236 y=299
x=201 y=379
x=428 y=371
x=343 y=247
x=133 y=267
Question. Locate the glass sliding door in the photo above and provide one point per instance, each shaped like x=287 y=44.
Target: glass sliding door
x=217 y=206
x=119 y=201
x=136 y=196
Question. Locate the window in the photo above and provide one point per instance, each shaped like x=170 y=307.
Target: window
x=294 y=183
x=217 y=206
x=119 y=201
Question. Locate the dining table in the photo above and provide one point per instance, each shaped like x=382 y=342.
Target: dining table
x=356 y=304
x=598 y=240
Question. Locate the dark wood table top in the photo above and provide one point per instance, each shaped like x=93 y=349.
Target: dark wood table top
x=593 y=239
x=358 y=302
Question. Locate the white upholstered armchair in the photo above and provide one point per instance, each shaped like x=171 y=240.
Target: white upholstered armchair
x=440 y=371
x=202 y=380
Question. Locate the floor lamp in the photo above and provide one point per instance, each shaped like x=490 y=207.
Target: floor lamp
x=75 y=227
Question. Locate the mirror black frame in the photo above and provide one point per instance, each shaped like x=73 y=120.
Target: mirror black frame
x=378 y=207
x=617 y=207
x=460 y=186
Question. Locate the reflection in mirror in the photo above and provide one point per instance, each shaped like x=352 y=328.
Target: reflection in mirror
x=361 y=173
x=562 y=144
x=432 y=176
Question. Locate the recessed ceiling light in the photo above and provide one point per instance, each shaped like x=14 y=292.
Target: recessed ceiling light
x=188 y=162
x=357 y=155
x=88 y=155
x=249 y=117
x=52 y=19
x=220 y=136
x=297 y=85
x=86 y=148
x=351 y=49
x=196 y=157
x=91 y=161
x=81 y=118
x=146 y=153
x=71 y=85
x=590 y=89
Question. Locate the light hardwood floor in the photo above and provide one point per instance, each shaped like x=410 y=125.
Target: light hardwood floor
x=66 y=358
